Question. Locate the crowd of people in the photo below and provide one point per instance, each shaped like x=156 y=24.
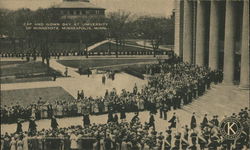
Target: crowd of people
x=129 y=135
x=171 y=85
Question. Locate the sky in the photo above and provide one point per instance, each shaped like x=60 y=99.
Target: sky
x=137 y=7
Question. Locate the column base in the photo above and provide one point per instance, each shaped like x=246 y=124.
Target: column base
x=244 y=86
x=228 y=83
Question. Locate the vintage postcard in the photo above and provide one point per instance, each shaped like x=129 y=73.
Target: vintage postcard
x=124 y=75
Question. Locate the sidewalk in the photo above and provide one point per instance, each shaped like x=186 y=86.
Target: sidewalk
x=61 y=68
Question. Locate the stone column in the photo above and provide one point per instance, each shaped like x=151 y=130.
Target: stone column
x=177 y=28
x=187 y=30
x=229 y=43
x=200 y=33
x=244 y=71
x=214 y=36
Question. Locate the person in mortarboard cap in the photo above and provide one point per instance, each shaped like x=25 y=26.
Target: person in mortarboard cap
x=172 y=121
x=32 y=126
x=246 y=112
x=185 y=132
x=204 y=121
x=54 y=124
x=110 y=115
x=116 y=118
x=202 y=141
x=216 y=121
x=213 y=143
x=177 y=141
x=86 y=120
x=192 y=147
x=135 y=118
x=152 y=121
x=123 y=114
x=19 y=127
x=103 y=79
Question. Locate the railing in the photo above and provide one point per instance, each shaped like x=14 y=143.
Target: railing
x=105 y=53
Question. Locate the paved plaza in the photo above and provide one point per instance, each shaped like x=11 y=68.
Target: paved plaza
x=92 y=85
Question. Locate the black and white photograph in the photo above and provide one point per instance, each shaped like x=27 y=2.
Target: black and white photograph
x=124 y=75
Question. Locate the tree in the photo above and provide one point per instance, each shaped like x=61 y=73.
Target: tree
x=118 y=27
x=153 y=29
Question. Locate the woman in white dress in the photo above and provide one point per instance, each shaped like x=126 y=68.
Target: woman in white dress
x=44 y=113
x=59 y=110
x=79 y=108
x=102 y=144
x=19 y=144
x=33 y=112
x=13 y=144
x=106 y=105
x=141 y=104
x=96 y=109
x=73 y=141
x=25 y=142
x=79 y=141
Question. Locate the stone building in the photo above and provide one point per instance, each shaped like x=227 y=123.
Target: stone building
x=79 y=8
x=215 y=33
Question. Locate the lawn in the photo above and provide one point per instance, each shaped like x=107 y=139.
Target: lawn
x=5 y=63
x=28 y=96
x=23 y=68
x=21 y=71
x=101 y=62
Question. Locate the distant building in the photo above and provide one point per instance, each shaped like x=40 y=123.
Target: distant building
x=79 y=8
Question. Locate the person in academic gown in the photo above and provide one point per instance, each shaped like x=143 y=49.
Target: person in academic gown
x=19 y=127
x=152 y=121
x=54 y=124
x=193 y=122
x=204 y=121
x=86 y=120
x=172 y=122
x=32 y=126
x=116 y=118
x=122 y=114
x=110 y=116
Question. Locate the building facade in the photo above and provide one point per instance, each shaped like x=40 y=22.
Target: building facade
x=214 y=33
x=78 y=8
